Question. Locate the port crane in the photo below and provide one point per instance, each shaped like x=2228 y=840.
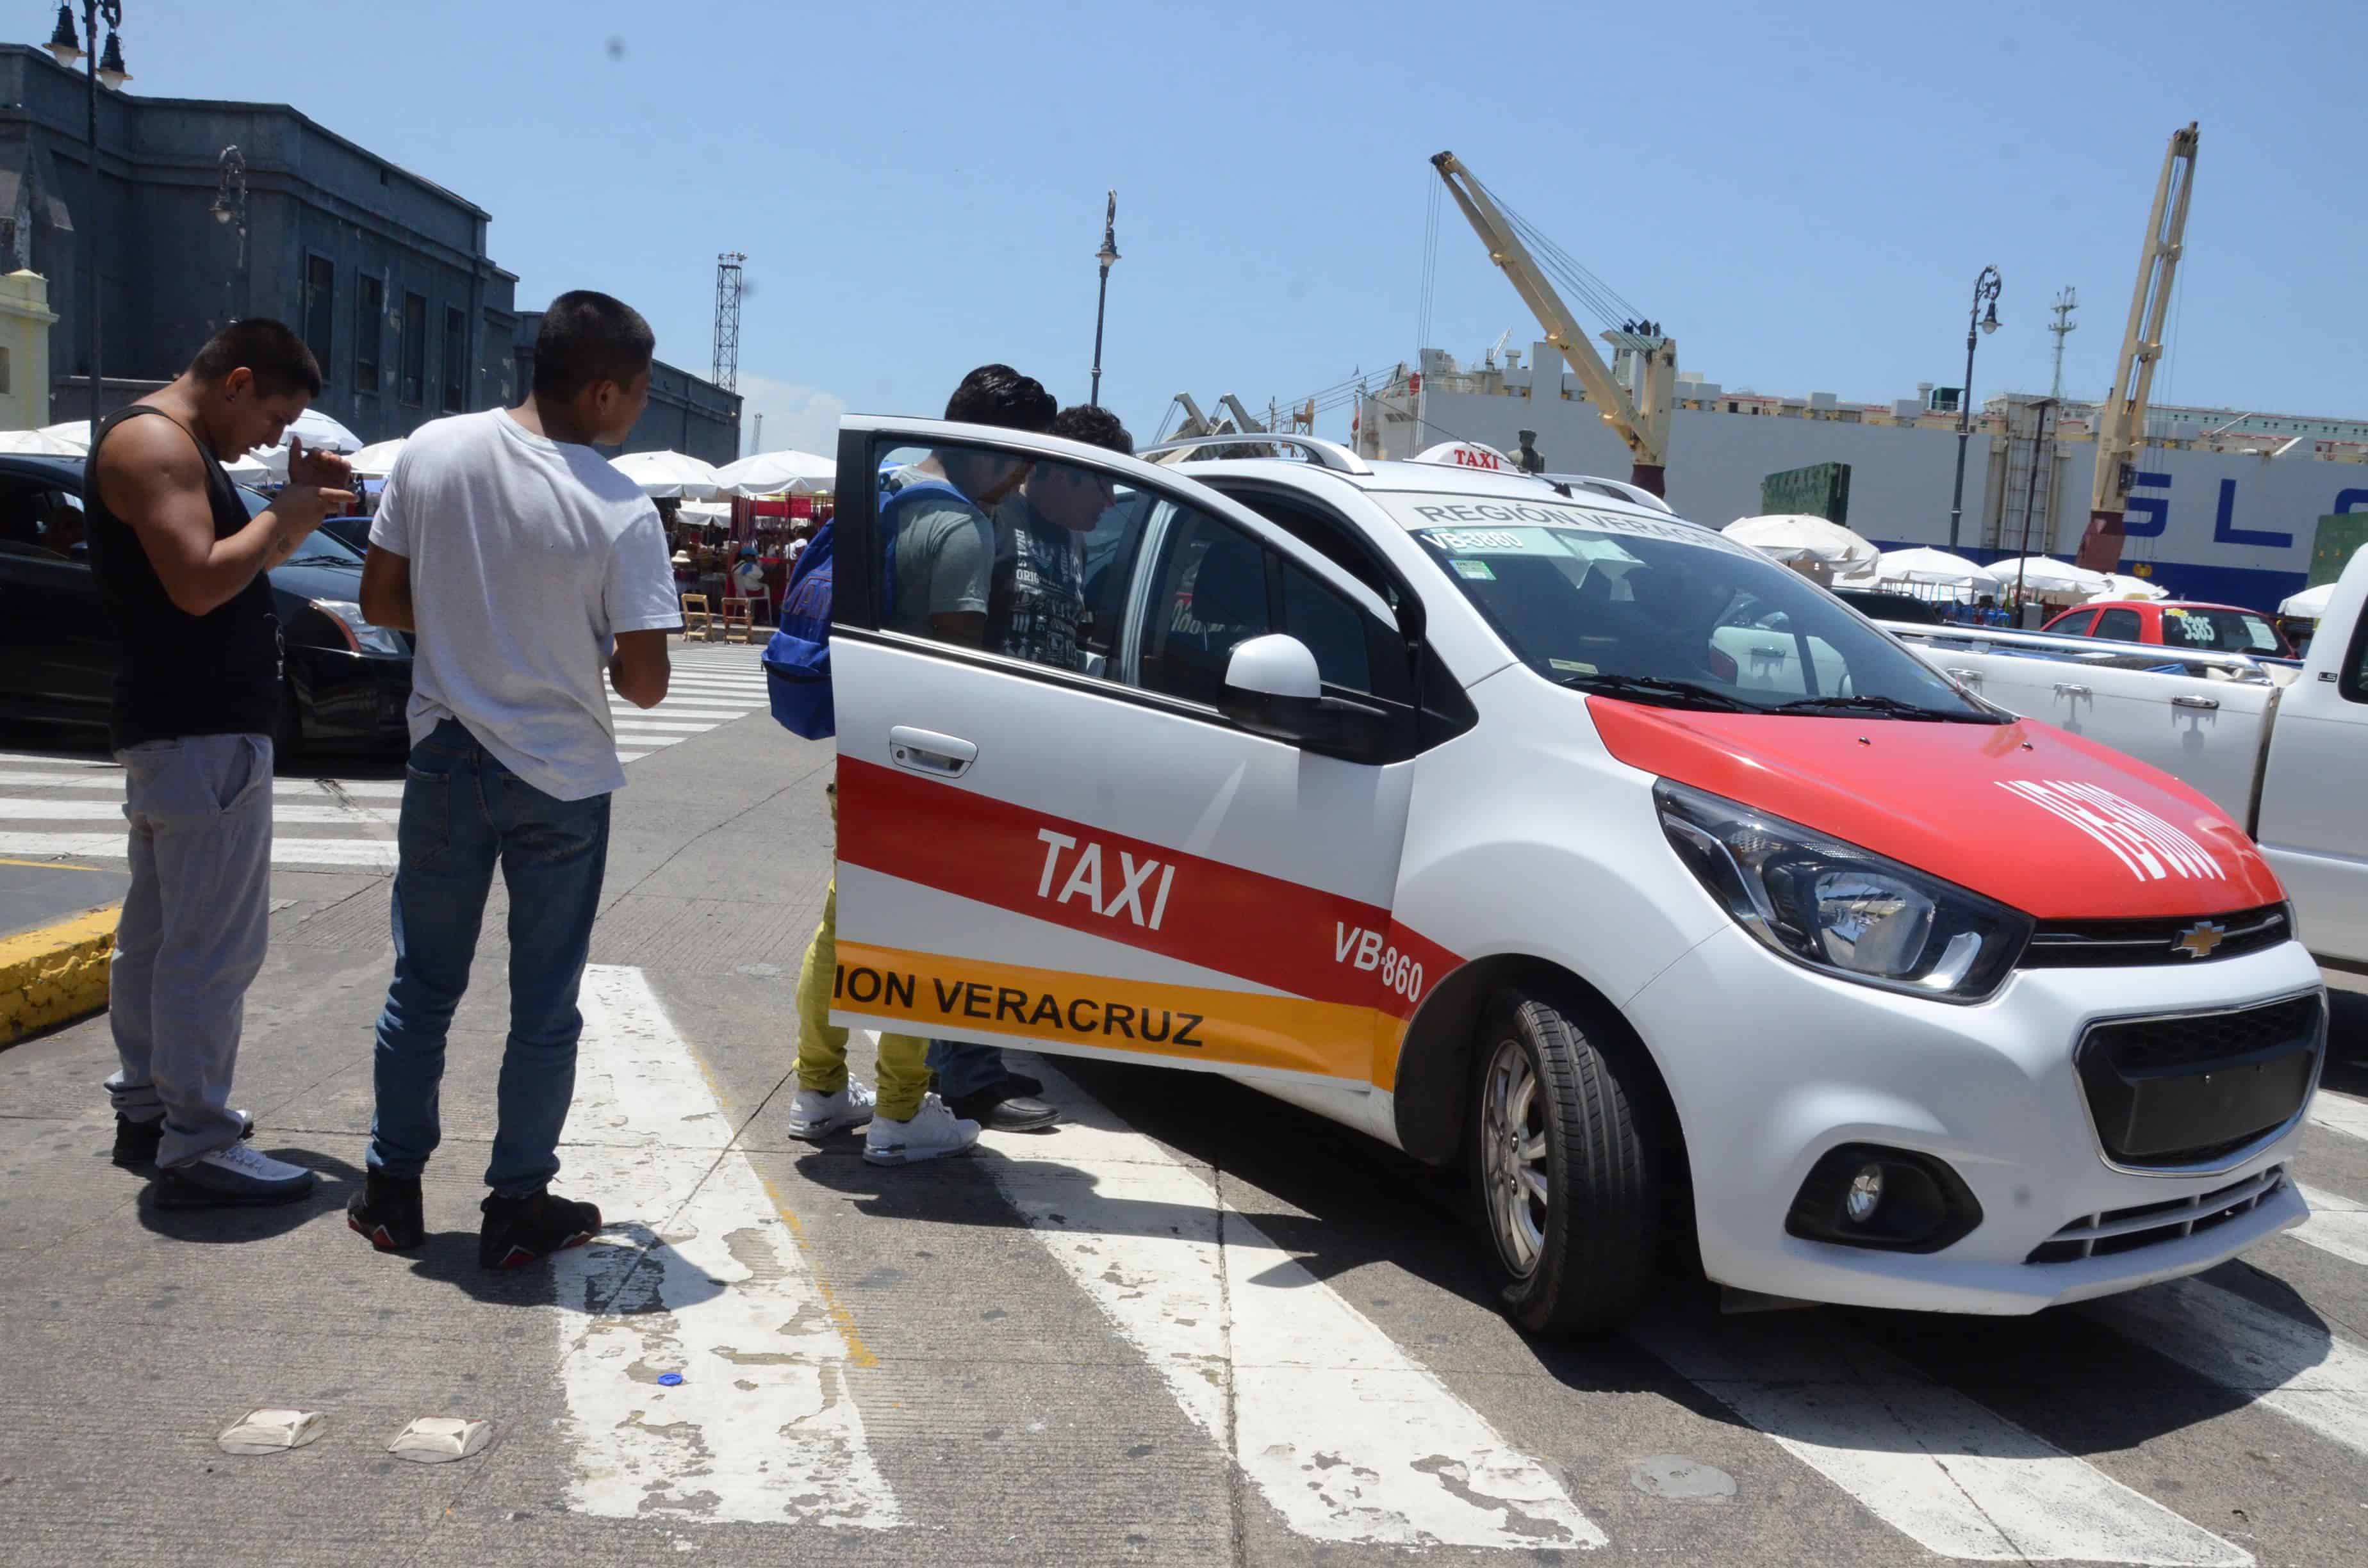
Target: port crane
x=1643 y=423
x=2121 y=422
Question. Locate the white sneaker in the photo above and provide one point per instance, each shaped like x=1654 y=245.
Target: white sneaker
x=933 y=1133
x=232 y=1176
x=814 y=1116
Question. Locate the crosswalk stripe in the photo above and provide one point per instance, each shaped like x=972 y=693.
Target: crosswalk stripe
x=720 y=709
x=1347 y=1437
x=2304 y=1373
x=2340 y=1112
x=695 y=1273
x=1952 y=1475
x=52 y=810
x=2337 y=1225
x=372 y=854
x=625 y=726
x=112 y=779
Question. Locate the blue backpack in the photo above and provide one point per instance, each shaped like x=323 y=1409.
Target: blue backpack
x=797 y=660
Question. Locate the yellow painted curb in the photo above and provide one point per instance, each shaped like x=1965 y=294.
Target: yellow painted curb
x=56 y=973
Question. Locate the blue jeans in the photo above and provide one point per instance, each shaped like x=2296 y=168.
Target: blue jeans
x=463 y=811
x=962 y=1069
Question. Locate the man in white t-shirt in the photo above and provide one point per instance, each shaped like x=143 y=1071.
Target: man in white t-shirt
x=535 y=578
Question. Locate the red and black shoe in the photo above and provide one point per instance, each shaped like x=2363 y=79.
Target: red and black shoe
x=520 y=1231
x=387 y=1211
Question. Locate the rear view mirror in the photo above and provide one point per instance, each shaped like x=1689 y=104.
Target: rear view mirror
x=1273 y=688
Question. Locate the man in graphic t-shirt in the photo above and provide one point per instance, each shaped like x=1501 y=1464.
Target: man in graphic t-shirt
x=535 y=576
x=1037 y=593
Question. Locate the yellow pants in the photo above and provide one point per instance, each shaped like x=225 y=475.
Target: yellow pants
x=902 y=1072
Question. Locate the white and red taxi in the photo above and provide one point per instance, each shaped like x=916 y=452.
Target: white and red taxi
x=1526 y=826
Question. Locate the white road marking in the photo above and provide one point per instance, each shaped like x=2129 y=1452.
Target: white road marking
x=687 y=726
x=2343 y=1113
x=50 y=809
x=1347 y=1437
x=112 y=779
x=2304 y=1373
x=1951 y=1475
x=2337 y=1224
x=371 y=854
x=695 y=1273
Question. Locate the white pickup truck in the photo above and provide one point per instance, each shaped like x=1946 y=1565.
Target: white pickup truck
x=2285 y=753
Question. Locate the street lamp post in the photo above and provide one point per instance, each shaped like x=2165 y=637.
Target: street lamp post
x=230 y=205
x=65 y=48
x=1108 y=254
x=1986 y=292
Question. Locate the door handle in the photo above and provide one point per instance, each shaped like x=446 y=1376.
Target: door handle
x=2072 y=688
x=2192 y=701
x=1971 y=678
x=925 y=751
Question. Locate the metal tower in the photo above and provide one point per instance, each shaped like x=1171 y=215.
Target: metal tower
x=727 y=320
x=2065 y=304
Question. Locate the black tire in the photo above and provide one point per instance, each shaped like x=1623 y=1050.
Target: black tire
x=1592 y=1245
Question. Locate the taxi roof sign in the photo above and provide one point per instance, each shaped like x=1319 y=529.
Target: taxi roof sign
x=1468 y=454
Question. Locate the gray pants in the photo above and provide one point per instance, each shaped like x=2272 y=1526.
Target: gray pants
x=192 y=933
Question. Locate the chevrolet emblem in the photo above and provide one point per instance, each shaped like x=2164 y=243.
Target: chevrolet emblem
x=2198 y=940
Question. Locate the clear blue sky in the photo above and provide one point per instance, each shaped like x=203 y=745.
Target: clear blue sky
x=1801 y=194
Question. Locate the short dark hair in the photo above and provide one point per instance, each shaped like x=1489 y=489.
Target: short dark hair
x=274 y=355
x=587 y=338
x=1094 y=426
x=1001 y=396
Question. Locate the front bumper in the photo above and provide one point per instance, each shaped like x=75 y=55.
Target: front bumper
x=1992 y=1090
x=353 y=702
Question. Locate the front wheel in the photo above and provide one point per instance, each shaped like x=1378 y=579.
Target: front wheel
x=1563 y=1168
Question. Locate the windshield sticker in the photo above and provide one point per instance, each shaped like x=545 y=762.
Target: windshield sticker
x=2150 y=849
x=1477 y=538
x=1433 y=515
x=1572 y=666
x=1478 y=570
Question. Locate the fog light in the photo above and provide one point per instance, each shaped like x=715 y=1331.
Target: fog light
x=1865 y=1195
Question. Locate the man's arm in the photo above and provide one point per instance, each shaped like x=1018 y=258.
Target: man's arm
x=152 y=477
x=386 y=589
x=640 y=668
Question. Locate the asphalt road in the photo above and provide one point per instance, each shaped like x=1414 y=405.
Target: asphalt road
x=1193 y=1325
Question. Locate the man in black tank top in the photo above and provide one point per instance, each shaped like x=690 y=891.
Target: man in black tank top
x=180 y=567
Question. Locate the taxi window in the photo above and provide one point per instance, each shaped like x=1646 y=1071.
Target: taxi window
x=1658 y=610
x=1207 y=595
x=2119 y=626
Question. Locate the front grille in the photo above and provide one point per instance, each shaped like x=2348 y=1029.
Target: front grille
x=2183 y=1089
x=2127 y=1229
x=2114 y=944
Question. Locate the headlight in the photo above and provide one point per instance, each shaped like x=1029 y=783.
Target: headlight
x=1840 y=909
x=361 y=637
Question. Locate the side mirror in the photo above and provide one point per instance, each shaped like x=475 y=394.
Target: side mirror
x=1273 y=688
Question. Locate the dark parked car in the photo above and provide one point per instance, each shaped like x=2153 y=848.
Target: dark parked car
x=1877 y=605
x=351 y=532
x=344 y=683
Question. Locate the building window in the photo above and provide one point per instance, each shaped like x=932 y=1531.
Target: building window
x=320 y=308
x=415 y=349
x=456 y=359
x=369 y=334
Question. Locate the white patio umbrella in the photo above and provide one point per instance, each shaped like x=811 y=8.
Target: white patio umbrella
x=39 y=443
x=1923 y=566
x=2118 y=586
x=319 y=432
x=664 y=474
x=2310 y=604
x=2046 y=574
x=1797 y=538
x=74 y=433
x=771 y=473
x=377 y=459
x=706 y=512
x=249 y=469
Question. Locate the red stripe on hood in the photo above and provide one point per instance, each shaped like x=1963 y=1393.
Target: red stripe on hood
x=2057 y=826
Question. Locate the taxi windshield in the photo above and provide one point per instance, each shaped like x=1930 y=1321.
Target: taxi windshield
x=1662 y=611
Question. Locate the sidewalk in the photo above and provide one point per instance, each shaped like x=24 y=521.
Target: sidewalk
x=57 y=929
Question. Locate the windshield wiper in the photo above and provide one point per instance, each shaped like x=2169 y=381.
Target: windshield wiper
x=1889 y=707
x=1655 y=689
x=316 y=557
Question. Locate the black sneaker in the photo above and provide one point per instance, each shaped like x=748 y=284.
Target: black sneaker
x=520 y=1231
x=1003 y=1108
x=136 y=1142
x=387 y=1210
